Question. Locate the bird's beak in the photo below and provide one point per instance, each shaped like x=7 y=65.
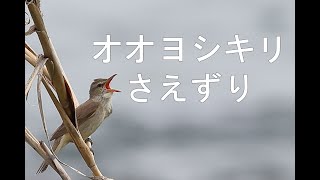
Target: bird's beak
x=107 y=85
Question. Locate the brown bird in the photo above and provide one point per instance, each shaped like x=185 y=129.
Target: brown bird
x=89 y=115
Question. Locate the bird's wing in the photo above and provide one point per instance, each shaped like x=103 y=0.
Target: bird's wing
x=83 y=112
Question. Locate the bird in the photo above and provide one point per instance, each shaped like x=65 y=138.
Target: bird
x=89 y=115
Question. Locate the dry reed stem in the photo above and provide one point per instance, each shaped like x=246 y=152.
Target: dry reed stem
x=53 y=64
x=67 y=100
x=60 y=169
x=34 y=143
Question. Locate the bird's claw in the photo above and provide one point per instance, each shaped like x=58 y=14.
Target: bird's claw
x=89 y=140
x=92 y=151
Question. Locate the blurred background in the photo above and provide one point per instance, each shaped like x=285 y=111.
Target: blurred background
x=219 y=139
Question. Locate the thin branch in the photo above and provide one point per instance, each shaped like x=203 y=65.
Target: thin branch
x=53 y=65
x=29 y=49
x=44 y=124
x=36 y=70
x=66 y=101
x=46 y=82
x=31 y=57
x=34 y=143
x=60 y=169
x=31 y=30
x=27 y=20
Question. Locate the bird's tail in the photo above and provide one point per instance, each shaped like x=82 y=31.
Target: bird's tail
x=57 y=146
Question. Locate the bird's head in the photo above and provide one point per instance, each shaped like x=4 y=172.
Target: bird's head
x=101 y=87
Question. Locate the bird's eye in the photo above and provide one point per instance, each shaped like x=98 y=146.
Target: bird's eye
x=99 y=85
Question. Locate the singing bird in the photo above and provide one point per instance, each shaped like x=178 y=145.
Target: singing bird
x=89 y=115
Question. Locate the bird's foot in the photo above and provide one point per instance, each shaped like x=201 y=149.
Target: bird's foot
x=92 y=151
x=90 y=146
x=89 y=140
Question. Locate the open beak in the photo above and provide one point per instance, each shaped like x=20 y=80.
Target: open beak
x=107 y=85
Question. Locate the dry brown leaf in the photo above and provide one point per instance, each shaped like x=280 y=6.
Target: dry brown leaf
x=41 y=108
x=73 y=109
x=41 y=62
